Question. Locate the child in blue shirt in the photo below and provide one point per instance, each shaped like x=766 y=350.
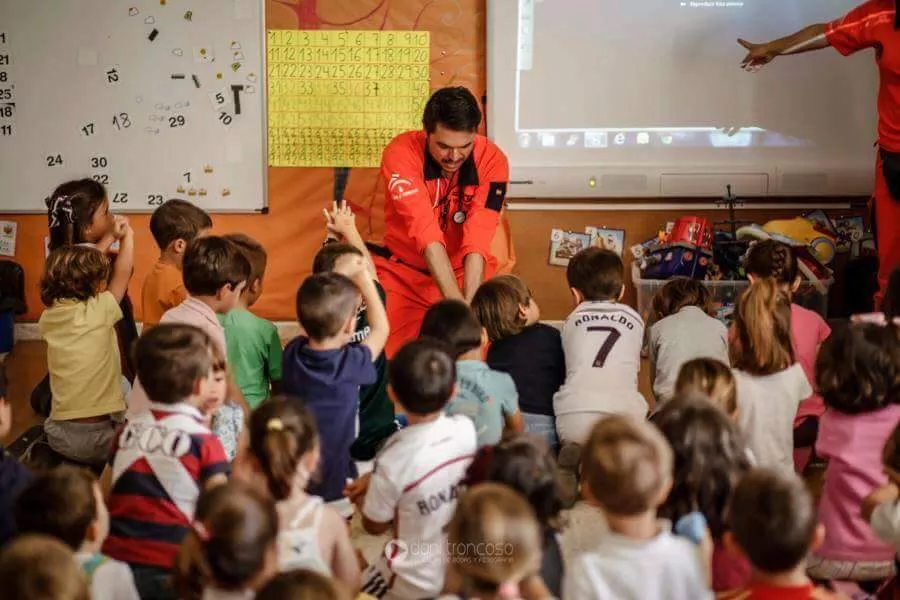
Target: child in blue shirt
x=486 y=396
x=325 y=369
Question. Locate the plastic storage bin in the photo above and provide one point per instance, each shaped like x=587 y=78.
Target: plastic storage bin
x=726 y=293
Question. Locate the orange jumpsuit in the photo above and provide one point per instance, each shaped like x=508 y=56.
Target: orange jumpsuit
x=874 y=25
x=423 y=207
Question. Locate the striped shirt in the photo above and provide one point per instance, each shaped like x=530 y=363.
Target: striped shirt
x=160 y=460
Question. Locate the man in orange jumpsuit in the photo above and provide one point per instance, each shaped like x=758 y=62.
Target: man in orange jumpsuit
x=872 y=25
x=445 y=187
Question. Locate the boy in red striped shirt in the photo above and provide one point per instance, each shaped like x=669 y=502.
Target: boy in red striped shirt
x=165 y=455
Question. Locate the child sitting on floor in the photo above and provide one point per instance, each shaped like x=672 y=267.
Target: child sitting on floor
x=777 y=261
x=326 y=369
x=39 y=566
x=153 y=486
x=486 y=396
x=627 y=474
x=857 y=373
x=67 y=504
x=174 y=225
x=14 y=476
x=683 y=329
x=417 y=475
x=712 y=379
x=770 y=384
x=530 y=351
x=254 y=348
x=83 y=358
x=230 y=550
x=772 y=521
x=284 y=452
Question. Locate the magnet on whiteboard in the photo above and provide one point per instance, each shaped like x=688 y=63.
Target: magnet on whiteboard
x=238 y=56
x=192 y=192
x=202 y=192
x=179 y=189
x=207 y=169
x=150 y=20
x=188 y=15
x=251 y=77
x=178 y=52
x=218 y=76
x=235 y=66
x=134 y=11
x=236 y=46
x=249 y=89
x=226 y=192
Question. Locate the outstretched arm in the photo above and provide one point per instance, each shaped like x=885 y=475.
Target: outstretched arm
x=806 y=40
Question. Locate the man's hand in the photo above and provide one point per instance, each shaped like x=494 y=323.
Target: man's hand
x=758 y=55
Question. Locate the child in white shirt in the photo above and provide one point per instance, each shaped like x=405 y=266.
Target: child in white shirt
x=683 y=329
x=417 y=474
x=602 y=341
x=66 y=503
x=627 y=474
x=770 y=383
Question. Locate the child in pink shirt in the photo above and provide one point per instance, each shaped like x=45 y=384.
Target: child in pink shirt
x=856 y=375
x=771 y=258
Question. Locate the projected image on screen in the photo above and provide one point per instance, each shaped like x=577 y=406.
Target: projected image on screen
x=600 y=74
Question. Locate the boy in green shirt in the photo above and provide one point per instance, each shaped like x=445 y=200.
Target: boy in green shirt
x=254 y=348
x=376 y=411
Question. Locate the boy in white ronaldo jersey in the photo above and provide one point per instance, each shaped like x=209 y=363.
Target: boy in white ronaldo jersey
x=415 y=482
x=602 y=341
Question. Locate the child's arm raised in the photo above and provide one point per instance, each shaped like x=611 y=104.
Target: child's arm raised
x=378 y=321
x=342 y=222
x=124 y=265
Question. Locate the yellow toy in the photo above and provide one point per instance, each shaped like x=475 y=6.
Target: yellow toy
x=821 y=244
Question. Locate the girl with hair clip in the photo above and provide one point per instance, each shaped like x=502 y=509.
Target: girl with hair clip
x=771 y=259
x=683 y=329
x=78 y=215
x=230 y=551
x=283 y=454
x=492 y=521
x=710 y=459
x=770 y=383
x=525 y=464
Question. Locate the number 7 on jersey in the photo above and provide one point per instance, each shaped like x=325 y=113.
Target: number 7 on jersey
x=612 y=337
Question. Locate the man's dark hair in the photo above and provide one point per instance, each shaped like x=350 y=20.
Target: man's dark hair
x=422 y=375
x=597 y=273
x=329 y=254
x=453 y=107
x=211 y=263
x=171 y=358
x=177 y=220
x=453 y=323
x=324 y=303
x=773 y=520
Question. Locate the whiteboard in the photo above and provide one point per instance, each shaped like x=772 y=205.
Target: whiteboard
x=646 y=99
x=156 y=99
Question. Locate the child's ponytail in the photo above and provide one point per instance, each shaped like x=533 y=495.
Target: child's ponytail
x=231 y=542
x=773 y=259
x=761 y=344
x=282 y=432
x=70 y=209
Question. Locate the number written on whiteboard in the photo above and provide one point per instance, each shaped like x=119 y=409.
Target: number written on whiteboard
x=4 y=59
x=112 y=76
x=5 y=93
x=225 y=118
x=88 y=129
x=154 y=199
x=101 y=178
x=6 y=110
x=176 y=121
x=120 y=198
x=121 y=121
x=54 y=161
x=2 y=37
x=6 y=129
x=99 y=162
x=612 y=337
x=3 y=77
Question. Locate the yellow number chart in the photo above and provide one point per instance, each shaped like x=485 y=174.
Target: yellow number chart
x=336 y=98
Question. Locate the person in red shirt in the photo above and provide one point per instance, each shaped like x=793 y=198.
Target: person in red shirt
x=873 y=24
x=445 y=186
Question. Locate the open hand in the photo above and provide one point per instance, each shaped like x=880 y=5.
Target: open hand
x=758 y=55
x=341 y=220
